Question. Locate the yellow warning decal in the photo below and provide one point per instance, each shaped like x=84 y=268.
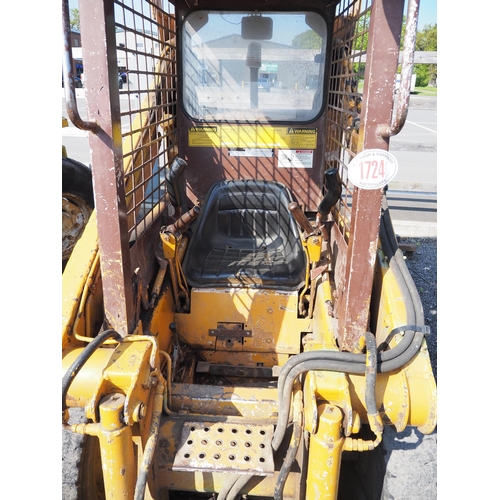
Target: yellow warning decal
x=203 y=136
x=252 y=136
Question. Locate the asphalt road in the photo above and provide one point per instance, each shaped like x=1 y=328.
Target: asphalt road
x=412 y=195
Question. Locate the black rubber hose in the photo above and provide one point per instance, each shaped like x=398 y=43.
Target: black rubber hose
x=346 y=357
x=398 y=266
x=238 y=485
x=227 y=486
x=291 y=453
x=82 y=358
x=321 y=364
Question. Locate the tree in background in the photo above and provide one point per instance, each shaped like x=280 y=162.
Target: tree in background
x=74 y=19
x=307 y=40
x=426 y=41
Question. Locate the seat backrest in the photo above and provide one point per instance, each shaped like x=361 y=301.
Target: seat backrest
x=246 y=236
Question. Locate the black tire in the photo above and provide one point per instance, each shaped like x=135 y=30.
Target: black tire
x=362 y=473
x=77 y=203
x=81 y=463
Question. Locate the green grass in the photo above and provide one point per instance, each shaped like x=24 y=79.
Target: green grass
x=426 y=91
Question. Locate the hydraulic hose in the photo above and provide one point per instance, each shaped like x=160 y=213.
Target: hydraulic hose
x=332 y=361
x=291 y=453
x=226 y=487
x=149 y=450
x=338 y=361
x=232 y=486
x=238 y=485
x=83 y=357
x=398 y=266
x=347 y=357
x=374 y=418
x=389 y=360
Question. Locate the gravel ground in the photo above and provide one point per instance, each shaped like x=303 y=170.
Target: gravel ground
x=410 y=456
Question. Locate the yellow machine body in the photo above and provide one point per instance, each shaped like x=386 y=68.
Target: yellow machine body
x=238 y=374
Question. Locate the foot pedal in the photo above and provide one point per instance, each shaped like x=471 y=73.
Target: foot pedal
x=225 y=447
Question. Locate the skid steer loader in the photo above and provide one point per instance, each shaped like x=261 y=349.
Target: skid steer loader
x=238 y=320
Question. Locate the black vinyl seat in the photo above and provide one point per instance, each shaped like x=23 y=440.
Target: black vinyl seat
x=245 y=236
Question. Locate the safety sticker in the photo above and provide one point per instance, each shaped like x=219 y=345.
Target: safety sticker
x=295 y=158
x=203 y=136
x=251 y=152
x=253 y=137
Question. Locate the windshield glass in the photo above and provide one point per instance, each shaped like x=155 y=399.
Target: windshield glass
x=257 y=67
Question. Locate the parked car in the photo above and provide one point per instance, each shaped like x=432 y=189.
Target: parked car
x=78 y=82
x=264 y=84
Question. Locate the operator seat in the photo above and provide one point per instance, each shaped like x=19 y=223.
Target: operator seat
x=245 y=236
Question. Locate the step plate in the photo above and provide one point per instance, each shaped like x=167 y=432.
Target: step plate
x=225 y=447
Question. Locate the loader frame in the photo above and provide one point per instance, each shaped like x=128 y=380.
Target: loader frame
x=237 y=316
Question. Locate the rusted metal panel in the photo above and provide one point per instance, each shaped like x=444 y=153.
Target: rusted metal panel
x=210 y=164
x=68 y=76
x=99 y=56
x=406 y=72
x=382 y=61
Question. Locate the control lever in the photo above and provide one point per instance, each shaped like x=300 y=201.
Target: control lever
x=173 y=177
x=332 y=196
x=301 y=219
x=334 y=190
x=180 y=225
x=173 y=243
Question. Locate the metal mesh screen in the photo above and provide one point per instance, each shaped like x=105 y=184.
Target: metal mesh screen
x=146 y=59
x=345 y=95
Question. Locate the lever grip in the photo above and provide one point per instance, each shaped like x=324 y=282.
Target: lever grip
x=301 y=218
x=172 y=180
x=183 y=221
x=334 y=190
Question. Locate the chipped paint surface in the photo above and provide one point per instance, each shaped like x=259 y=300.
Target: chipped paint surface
x=193 y=453
x=239 y=448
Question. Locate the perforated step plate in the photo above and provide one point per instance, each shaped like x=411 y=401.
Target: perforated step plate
x=225 y=447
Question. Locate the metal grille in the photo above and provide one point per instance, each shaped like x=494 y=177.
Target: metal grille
x=225 y=447
x=345 y=95
x=146 y=59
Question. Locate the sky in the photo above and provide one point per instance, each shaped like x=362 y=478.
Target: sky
x=427 y=13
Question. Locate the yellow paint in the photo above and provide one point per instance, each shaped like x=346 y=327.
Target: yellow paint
x=270 y=315
x=313 y=245
x=391 y=307
x=128 y=372
x=325 y=451
x=119 y=466
x=74 y=280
